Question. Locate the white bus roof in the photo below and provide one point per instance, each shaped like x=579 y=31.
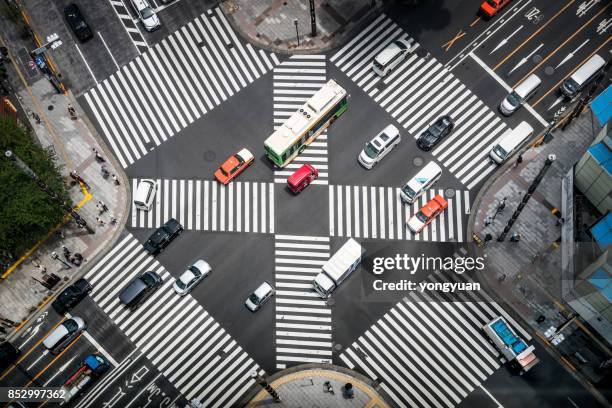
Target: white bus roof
x=345 y=257
x=315 y=108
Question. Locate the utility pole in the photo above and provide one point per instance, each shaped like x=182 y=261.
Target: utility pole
x=534 y=184
x=261 y=381
x=313 y=19
x=41 y=184
x=297 y=33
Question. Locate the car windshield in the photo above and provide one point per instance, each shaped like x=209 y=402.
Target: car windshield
x=180 y=284
x=571 y=85
x=71 y=325
x=500 y=152
x=408 y=191
x=195 y=270
x=81 y=24
x=400 y=44
x=513 y=99
x=253 y=298
x=371 y=151
x=147 y=12
x=223 y=171
x=492 y=3
x=148 y=279
x=421 y=217
x=378 y=65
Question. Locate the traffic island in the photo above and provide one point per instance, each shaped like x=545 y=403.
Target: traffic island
x=318 y=385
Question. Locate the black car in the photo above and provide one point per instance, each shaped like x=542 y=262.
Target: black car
x=8 y=355
x=77 y=23
x=163 y=236
x=140 y=289
x=436 y=132
x=70 y=296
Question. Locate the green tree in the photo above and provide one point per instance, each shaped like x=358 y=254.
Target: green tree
x=26 y=212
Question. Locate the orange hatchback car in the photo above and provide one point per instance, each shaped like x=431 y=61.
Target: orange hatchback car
x=234 y=166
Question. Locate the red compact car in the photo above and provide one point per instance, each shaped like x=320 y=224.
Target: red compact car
x=301 y=178
x=234 y=166
x=491 y=7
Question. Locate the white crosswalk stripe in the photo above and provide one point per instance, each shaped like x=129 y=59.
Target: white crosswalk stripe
x=303 y=320
x=206 y=205
x=129 y=23
x=173 y=84
x=378 y=212
x=175 y=333
x=419 y=91
x=295 y=81
x=429 y=349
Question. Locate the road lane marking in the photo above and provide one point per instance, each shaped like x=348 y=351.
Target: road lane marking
x=100 y=348
x=507 y=88
x=473 y=23
x=491 y=396
x=86 y=64
x=505 y=40
x=452 y=42
x=53 y=361
x=563 y=43
x=108 y=49
x=566 y=76
x=524 y=60
x=533 y=35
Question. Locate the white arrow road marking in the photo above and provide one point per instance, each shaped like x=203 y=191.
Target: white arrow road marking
x=603 y=26
x=524 y=60
x=505 y=40
x=61 y=369
x=585 y=6
x=571 y=54
x=555 y=103
x=44 y=353
x=33 y=331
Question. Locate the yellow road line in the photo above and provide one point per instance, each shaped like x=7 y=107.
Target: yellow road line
x=533 y=35
x=475 y=21
x=561 y=46
x=570 y=73
x=53 y=361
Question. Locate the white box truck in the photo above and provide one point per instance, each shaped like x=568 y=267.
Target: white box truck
x=338 y=268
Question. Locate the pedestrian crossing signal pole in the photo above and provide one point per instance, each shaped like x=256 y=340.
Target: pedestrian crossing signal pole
x=261 y=381
x=534 y=184
x=297 y=33
x=313 y=19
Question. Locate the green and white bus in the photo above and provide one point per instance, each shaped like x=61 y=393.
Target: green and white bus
x=306 y=124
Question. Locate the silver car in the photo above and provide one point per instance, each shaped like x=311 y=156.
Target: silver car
x=264 y=292
x=146 y=14
x=63 y=334
x=191 y=277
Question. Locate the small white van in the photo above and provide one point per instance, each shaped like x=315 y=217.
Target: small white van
x=519 y=95
x=582 y=76
x=510 y=141
x=421 y=182
x=390 y=57
x=145 y=194
x=376 y=149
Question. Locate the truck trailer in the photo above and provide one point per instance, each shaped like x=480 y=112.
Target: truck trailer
x=518 y=354
x=92 y=368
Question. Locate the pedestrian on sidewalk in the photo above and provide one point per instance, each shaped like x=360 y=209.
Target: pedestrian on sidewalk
x=42 y=268
x=103 y=206
x=519 y=160
x=116 y=180
x=100 y=220
x=71 y=111
x=488 y=221
x=113 y=220
x=99 y=157
x=516 y=237
x=560 y=221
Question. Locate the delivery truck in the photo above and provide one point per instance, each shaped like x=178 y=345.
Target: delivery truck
x=92 y=368
x=519 y=355
x=338 y=268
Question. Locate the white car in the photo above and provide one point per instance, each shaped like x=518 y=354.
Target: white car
x=391 y=57
x=376 y=149
x=264 y=292
x=63 y=334
x=146 y=14
x=191 y=277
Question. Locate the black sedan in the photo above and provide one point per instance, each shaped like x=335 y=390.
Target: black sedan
x=163 y=236
x=77 y=23
x=70 y=296
x=436 y=132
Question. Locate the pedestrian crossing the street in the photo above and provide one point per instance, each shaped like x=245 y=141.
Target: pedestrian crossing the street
x=175 y=333
x=379 y=212
x=429 y=349
x=129 y=23
x=205 y=205
x=295 y=81
x=173 y=84
x=420 y=90
x=303 y=320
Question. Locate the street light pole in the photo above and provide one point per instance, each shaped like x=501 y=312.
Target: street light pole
x=313 y=19
x=261 y=381
x=41 y=184
x=297 y=33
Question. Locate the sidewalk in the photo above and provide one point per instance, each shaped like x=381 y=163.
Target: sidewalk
x=527 y=275
x=305 y=385
x=72 y=140
x=269 y=24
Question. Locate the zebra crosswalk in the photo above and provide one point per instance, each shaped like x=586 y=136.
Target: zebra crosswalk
x=175 y=333
x=378 y=212
x=419 y=91
x=429 y=350
x=206 y=205
x=295 y=81
x=303 y=320
x=129 y=23
x=173 y=84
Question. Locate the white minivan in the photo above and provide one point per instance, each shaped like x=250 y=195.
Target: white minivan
x=376 y=149
x=391 y=57
x=519 y=95
x=145 y=194
x=510 y=141
x=417 y=185
x=582 y=76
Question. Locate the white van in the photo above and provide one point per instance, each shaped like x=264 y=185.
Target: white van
x=421 y=182
x=145 y=194
x=582 y=76
x=390 y=57
x=376 y=149
x=510 y=141
x=519 y=95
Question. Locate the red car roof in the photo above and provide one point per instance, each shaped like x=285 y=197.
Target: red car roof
x=300 y=174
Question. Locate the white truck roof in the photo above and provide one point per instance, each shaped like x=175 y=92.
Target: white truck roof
x=346 y=256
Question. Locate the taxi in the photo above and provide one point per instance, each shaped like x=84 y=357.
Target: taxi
x=301 y=178
x=491 y=7
x=233 y=166
x=427 y=214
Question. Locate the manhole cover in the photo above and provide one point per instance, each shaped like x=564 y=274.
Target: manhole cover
x=337 y=346
x=417 y=161
x=549 y=70
x=50 y=107
x=449 y=193
x=209 y=155
x=537 y=58
x=330 y=302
